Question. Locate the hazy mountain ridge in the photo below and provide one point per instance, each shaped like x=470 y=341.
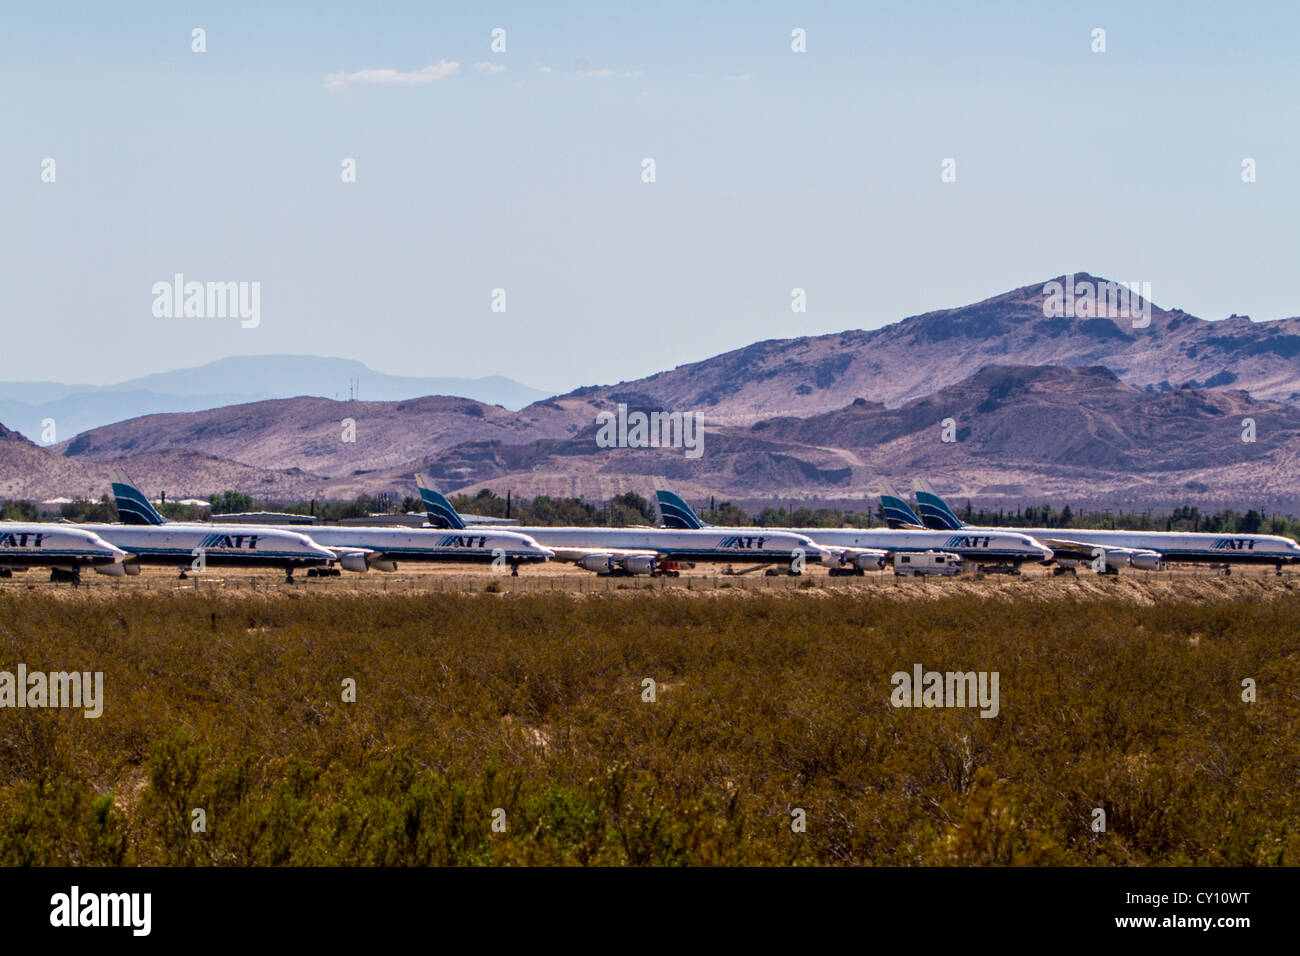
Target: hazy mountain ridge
x=231 y=381
x=914 y=357
x=1084 y=409
x=313 y=434
x=1067 y=434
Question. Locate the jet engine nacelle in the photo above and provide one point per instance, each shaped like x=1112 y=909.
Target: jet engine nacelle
x=1145 y=560
x=1112 y=559
x=601 y=563
x=355 y=561
x=861 y=560
x=639 y=564
x=115 y=570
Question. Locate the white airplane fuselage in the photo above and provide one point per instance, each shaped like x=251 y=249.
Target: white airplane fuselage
x=180 y=544
x=754 y=545
x=54 y=545
x=982 y=547
x=474 y=545
x=1177 y=546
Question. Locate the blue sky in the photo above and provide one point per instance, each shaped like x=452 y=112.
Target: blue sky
x=775 y=170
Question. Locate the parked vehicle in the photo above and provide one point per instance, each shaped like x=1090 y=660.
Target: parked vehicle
x=917 y=563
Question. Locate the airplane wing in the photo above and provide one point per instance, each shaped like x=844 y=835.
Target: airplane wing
x=1072 y=550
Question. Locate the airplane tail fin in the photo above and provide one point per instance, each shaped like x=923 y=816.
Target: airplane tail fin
x=934 y=510
x=675 y=512
x=898 y=513
x=132 y=505
x=441 y=512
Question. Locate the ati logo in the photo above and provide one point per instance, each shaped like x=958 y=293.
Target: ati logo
x=744 y=542
x=1235 y=544
x=967 y=541
x=11 y=540
x=229 y=542
x=464 y=541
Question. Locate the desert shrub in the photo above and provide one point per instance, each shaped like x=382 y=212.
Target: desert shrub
x=473 y=705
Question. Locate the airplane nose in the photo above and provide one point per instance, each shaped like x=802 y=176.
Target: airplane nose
x=1047 y=553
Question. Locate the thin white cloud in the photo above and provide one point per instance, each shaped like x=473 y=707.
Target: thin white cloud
x=608 y=72
x=486 y=67
x=740 y=76
x=543 y=69
x=434 y=71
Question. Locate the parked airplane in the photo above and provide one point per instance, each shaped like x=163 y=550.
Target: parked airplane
x=1146 y=549
x=1072 y=550
x=1007 y=548
x=1068 y=553
x=64 y=550
x=644 y=550
x=192 y=547
x=360 y=548
x=195 y=546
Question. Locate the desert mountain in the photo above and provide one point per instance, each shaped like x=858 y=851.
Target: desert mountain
x=21 y=460
x=914 y=357
x=30 y=472
x=1095 y=407
x=792 y=377
x=231 y=381
x=312 y=434
x=1021 y=432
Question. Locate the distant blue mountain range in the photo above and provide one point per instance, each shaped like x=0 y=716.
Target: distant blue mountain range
x=232 y=381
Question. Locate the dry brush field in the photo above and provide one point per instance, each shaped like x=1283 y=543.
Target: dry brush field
x=529 y=709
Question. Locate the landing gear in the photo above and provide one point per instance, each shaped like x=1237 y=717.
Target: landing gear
x=288 y=575
x=847 y=572
x=323 y=573
x=6 y=573
x=1058 y=570
x=60 y=576
x=514 y=569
